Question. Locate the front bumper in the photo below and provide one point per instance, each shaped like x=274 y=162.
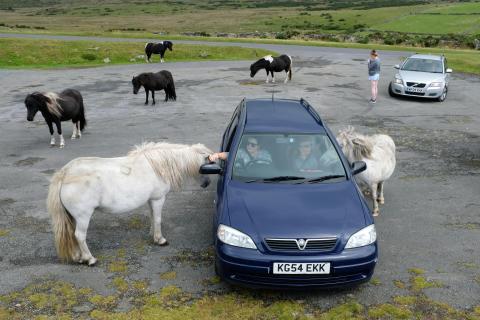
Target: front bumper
x=254 y=268
x=401 y=89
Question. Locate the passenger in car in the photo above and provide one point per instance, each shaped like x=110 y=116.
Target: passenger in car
x=252 y=151
x=305 y=159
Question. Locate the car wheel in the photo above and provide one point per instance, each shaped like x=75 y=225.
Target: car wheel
x=443 y=96
x=390 y=91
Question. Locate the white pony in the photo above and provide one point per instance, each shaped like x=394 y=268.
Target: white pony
x=378 y=152
x=118 y=185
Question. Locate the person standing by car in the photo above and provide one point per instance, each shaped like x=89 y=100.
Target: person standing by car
x=374 y=74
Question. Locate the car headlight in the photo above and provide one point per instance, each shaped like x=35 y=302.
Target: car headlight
x=364 y=237
x=398 y=79
x=436 y=84
x=234 y=237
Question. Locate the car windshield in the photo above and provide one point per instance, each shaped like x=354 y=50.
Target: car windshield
x=423 y=65
x=287 y=158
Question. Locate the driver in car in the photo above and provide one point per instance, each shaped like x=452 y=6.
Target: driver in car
x=252 y=152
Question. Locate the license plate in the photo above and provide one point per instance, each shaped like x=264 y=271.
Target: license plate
x=301 y=268
x=412 y=89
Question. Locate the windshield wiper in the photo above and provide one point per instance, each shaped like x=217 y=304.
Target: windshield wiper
x=282 y=178
x=320 y=179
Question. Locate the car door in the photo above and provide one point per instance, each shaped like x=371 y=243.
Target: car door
x=227 y=140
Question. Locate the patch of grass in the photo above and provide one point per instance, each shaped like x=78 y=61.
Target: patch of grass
x=349 y=310
x=120 y=284
x=104 y=302
x=4 y=232
x=389 y=311
x=416 y=271
x=399 y=284
x=57 y=53
x=118 y=266
x=171 y=275
x=419 y=283
x=375 y=282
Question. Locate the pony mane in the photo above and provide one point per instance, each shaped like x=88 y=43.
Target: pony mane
x=52 y=103
x=172 y=162
x=355 y=144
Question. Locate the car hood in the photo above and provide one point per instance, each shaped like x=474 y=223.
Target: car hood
x=422 y=77
x=278 y=210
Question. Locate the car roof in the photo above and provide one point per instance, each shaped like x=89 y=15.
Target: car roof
x=281 y=115
x=426 y=56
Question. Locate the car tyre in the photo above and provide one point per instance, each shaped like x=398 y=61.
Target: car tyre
x=443 y=96
x=390 y=91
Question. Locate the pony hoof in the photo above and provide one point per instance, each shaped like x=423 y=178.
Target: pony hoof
x=74 y=137
x=376 y=213
x=91 y=262
x=62 y=146
x=381 y=201
x=161 y=242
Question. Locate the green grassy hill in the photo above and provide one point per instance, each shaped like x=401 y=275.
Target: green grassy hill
x=394 y=22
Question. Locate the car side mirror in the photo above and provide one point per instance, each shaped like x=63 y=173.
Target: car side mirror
x=397 y=66
x=210 y=168
x=358 y=166
x=449 y=70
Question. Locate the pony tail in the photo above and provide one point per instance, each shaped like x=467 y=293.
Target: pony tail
x=83 y=120
x=171 y=91
x=290 y=69
x=62 y=222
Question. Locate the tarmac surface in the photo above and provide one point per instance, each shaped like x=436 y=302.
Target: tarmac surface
x=430 y=221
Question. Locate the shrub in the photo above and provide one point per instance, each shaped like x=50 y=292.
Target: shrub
x=89 y=56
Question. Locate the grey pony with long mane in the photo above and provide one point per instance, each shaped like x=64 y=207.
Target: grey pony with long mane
x=145 y=174
x=378 y=152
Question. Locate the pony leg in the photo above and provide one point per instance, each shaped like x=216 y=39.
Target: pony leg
x=146 y=94
x=59 y=131
x=267 y=77
x=156 y=206
x=79 y=132
x=161 y=58
x=273 y=76
x=153 y=97
x=380 y=198
x=52 y=137
x=81 y=234
x=373 y=188
x=62 y=141
x=74 y=133
x=286 y=77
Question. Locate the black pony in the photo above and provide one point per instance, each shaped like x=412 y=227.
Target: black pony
x=68 y=105
x=162 y=80
x=158 y=48
x=273 y=64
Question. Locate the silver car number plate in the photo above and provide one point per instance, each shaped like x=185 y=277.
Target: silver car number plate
x=413 y=89
x=301 y=268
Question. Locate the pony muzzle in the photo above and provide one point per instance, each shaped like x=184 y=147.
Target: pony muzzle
x=205 y=182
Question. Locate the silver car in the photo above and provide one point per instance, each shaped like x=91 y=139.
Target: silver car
x=421 y=75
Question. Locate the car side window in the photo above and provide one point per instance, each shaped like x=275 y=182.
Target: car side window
x=227 y=135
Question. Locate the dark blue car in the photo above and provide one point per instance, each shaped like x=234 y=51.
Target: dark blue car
x=288 y=210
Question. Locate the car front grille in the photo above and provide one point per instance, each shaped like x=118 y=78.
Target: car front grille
x=416 y=84
x=325 y=244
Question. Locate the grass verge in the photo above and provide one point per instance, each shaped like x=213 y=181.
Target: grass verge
x=35 y=53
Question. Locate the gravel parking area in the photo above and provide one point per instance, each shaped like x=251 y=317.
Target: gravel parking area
x=429 y=226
